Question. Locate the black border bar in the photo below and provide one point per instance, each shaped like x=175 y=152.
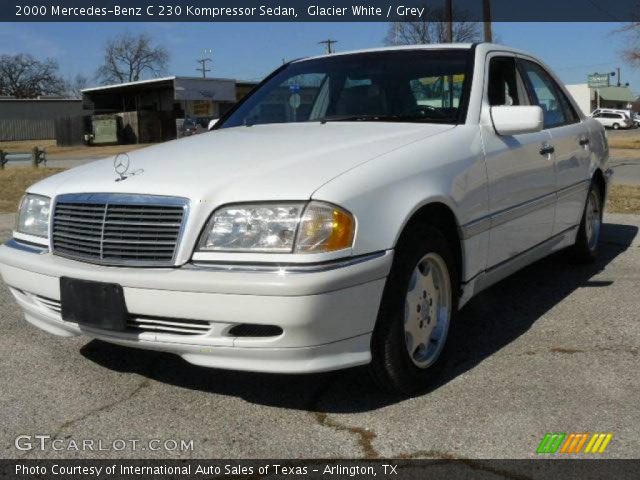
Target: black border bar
x=311 y=11
x=445 y=467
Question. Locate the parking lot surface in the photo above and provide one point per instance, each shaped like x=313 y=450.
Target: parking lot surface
x=554 y=348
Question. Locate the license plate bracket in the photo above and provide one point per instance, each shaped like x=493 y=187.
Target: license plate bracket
x=94 y=304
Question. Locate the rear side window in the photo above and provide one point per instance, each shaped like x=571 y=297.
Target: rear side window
x=549 y=96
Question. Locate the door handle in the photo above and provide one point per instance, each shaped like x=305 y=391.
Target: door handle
x=583 y=142
x=547 y=149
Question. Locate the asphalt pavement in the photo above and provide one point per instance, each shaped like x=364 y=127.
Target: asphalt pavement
x=626 y=170
x=553 y=348
x=625 y=162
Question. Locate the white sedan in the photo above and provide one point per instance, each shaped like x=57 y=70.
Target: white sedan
x=340 y=215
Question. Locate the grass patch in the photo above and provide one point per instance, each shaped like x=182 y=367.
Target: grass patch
x=75 y=151
x=623 y=199
x=27 y=145
x=15 y=180
x=622 y=142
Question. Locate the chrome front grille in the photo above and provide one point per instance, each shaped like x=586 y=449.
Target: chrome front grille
x=113 y=229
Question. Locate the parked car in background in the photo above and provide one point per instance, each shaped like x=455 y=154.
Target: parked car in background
x=189 y=127
x=341 y=214
x=613 y=120
x=629 y=113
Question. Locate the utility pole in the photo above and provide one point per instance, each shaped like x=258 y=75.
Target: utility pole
x=486 y=17
x=619 y=81
x=203 y=62
x=328 y=42
x=448 y=20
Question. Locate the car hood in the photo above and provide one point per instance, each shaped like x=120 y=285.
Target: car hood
x=262 y=162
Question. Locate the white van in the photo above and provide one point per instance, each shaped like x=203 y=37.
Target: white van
x=613 y=120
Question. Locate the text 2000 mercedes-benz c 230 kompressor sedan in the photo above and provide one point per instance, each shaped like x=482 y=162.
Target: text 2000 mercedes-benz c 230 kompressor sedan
x=339 y=215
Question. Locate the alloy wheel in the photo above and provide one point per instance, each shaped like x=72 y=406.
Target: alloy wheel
x=427 y=310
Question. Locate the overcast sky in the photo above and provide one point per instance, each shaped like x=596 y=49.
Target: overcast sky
x=249 y=51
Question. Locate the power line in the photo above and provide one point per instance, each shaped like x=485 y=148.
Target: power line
x=329 y=42
x=586 y=66
x=203 y=62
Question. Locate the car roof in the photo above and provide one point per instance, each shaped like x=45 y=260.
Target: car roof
x=482 y=47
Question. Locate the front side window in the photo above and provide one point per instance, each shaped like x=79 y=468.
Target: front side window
x=548 y=95
x=505 y=87
x=405 y=86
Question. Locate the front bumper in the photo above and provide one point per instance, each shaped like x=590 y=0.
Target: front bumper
x=326 y=314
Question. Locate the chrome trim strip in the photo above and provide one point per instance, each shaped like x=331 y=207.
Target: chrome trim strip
x=120 y=199
x=573 y=189
x=521 y=210
x=26 y=247
x=284 y=268
x=485 y=223
x=123 y=199
x=476 y=227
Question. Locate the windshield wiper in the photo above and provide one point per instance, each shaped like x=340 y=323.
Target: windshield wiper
x=358 y=118
x=381 y=118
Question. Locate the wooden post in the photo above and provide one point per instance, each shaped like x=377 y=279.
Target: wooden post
x=448 y=12
x=3 y=159
x=38 y=156
x=486 y=16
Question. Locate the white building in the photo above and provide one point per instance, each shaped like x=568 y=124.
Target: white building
x=583 y=96
x=588 y=99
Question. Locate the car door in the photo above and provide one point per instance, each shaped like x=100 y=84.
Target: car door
x=520 y=171
x=570 y=140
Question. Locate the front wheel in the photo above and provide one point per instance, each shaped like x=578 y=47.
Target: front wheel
x=585 y=248
x=409 y=344
x=616 y=126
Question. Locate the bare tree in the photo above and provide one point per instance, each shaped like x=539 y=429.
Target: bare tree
x=23 y=76
x=631 y=53
x=431 y=28
x=129 y=58
x=76 y=85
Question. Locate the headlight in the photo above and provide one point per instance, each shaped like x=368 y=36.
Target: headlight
x=265 y=227
x=33 y=216
x=279 y=228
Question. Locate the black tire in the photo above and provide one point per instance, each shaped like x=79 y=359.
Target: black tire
x=585 y=248
x=392 y=368
x=615 y=126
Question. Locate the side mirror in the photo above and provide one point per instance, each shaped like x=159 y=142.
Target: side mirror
x=516 y=120
x=212 y=123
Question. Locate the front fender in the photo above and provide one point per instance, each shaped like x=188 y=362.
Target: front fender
x=386 y=192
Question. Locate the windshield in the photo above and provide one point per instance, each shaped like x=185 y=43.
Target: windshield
x=402 y=85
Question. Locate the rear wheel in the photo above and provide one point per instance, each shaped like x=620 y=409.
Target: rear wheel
x=409 y=345
x=585 y=248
